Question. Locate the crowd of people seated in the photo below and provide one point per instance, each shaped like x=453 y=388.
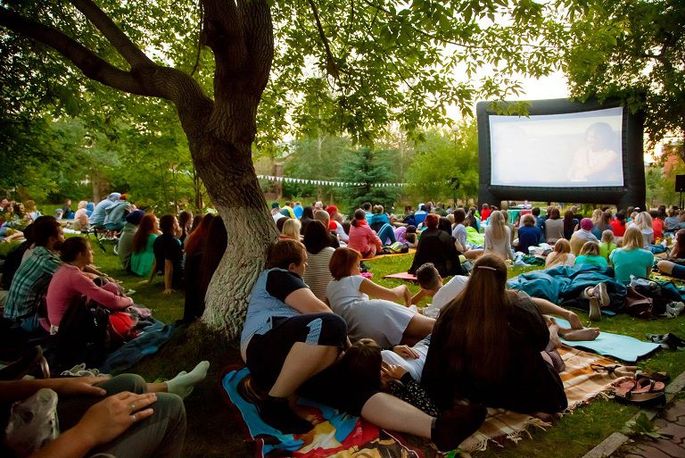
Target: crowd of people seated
x=317 y=326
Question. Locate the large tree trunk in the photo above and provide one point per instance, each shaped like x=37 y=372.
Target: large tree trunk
x=232 y=184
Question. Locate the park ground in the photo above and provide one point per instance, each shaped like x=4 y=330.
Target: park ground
x=214 y=429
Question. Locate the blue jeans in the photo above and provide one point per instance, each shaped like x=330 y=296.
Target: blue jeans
x=387 y=233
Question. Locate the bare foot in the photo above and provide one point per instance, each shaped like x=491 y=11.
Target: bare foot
x=580 y=334
x=554 y=333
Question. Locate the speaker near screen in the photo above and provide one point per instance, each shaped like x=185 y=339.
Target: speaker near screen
x=562 y=151
x=680 y=183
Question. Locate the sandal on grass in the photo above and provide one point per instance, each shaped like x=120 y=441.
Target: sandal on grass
x=643 y=393
x=616 y=370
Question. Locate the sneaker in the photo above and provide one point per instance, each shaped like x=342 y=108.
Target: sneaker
x=602 y=294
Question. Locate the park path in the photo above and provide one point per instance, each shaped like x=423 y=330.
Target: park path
x=670 y=422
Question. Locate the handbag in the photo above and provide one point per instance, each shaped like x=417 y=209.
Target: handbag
x=637 y=304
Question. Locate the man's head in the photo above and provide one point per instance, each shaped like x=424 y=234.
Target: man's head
x=429 y=278
x=47 y=232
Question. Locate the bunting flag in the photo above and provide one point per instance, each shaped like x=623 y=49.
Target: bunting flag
x=338 y=184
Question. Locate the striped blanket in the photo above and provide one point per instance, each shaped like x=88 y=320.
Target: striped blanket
x=341 y=435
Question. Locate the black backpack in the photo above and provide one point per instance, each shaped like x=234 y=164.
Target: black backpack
x=83 y=335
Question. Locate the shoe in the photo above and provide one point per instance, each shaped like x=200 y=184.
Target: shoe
x=452 y=427
x=595 y=310
x=275 y=412
x=673 y=309
x=668 y=341
x=602 y=294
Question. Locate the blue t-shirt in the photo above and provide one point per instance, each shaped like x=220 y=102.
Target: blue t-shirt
x=528 y=236
x=631 y=262
x=592 y=260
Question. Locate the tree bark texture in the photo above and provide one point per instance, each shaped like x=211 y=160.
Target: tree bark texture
x=220 y=132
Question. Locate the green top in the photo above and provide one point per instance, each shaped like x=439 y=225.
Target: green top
x=592 y=260
x=605 y=249
x=143 y=261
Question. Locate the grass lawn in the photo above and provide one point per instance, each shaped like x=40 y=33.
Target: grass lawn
x=213 y=429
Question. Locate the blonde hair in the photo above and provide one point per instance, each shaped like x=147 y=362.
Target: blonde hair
x=291 y=229
x=323 y=216
x=643 y=221
x=632 y=239
x=562 y=246
x=528 y=220
x=597 y=216
x=497 y=225
x=590 y=248
x=607 y=236
x=82 y=204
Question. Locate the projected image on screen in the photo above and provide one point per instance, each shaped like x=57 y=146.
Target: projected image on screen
x=561 y=150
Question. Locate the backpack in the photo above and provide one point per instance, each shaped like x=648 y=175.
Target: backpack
x=83 y=335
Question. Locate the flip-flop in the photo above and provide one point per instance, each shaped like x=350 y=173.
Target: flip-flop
x=623 y=387
x=616 y=370
x=648 y=384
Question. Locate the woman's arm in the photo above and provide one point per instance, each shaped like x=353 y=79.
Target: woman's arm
x=548 y=308
x=168 y=276
x=304 y=301
x=398 y=294
x=86 y=287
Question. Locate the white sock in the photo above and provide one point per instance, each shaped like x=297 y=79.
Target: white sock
x=184 y=382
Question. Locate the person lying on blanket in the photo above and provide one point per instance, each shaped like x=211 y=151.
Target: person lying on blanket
x=380 y=318
x=487 y=346
x=290 y=342
x=119 y=416
x=432 y=286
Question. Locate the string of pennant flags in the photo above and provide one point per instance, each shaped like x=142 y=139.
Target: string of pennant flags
x=339 y=184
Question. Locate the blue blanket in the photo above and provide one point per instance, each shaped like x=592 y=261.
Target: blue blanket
x=152 y=337
x=563 y=285
x=618 y=346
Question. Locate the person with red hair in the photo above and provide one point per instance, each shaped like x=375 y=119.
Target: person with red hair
x=437 y=247
x=335 y=225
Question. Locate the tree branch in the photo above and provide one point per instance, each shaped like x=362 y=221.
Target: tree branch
x=123 y=44
x=90 y=64
x=331 y=66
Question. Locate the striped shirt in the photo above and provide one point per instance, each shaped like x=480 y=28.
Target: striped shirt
x=30 y=284
x=318 y=274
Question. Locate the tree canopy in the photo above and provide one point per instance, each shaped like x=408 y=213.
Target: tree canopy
x=632 y=50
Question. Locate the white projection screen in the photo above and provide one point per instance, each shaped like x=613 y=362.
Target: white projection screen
x=567 y=150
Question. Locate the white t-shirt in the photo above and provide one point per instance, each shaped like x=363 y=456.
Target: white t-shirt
x=449 y=291
x=344 y=292
x=459 y=233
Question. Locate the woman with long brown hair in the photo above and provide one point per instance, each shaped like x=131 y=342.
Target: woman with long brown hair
x=143 y=255
x=487 y=346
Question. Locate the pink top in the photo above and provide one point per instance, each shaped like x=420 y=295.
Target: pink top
x=68 y=283
x=363 y=238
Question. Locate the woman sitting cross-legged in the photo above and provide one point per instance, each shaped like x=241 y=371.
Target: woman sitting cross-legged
x=290 y=342
x=69 y=283
x=488 y=346
x=632 y=258
x=381 y=319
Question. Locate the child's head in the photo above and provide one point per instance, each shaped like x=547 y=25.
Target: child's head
x=363 y=361
x=607 y=236
x=428 y=277
x=590 y=249
x=562 y=246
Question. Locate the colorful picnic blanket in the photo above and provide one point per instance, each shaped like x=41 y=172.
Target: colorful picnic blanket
x=404 y=276
x=339 y=434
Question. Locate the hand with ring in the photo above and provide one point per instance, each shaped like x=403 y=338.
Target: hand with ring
x=112 y=416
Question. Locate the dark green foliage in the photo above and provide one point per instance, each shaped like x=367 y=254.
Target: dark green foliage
x=367 y=167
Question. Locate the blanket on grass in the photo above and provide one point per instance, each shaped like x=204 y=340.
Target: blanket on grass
x=379 y=256
x=343 y=435
x=404 y=276
x=148 y=342
x=563 y=284
x=625 y=348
